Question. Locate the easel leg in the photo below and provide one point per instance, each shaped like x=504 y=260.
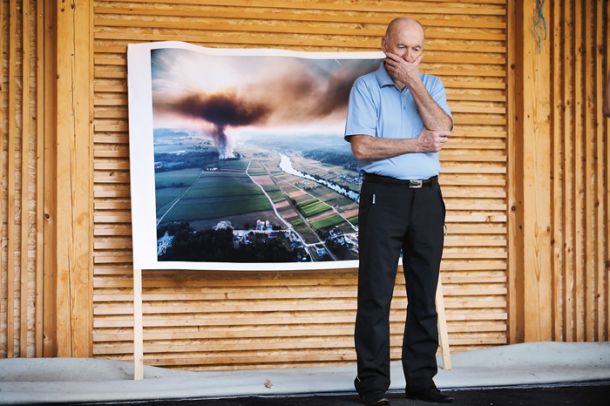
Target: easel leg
x=138 y=334
x=443 y=335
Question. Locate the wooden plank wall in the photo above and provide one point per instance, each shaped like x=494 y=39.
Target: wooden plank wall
x=580 y=172
x=212 y=320
x=215 y=320
x=558 y=174
x=21 y=271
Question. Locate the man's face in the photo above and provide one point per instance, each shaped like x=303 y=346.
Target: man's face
x=405 y=40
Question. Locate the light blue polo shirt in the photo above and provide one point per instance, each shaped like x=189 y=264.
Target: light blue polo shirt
x=379 y=109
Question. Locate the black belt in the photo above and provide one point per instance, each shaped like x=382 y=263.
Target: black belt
x=412 y=183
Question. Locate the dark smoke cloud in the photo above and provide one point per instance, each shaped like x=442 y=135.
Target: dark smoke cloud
x=286 y=96
x=222 y=109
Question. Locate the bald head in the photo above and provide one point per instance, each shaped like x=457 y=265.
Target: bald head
x=404 y=24
x=404 y=38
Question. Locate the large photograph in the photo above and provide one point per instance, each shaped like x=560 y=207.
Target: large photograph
x=238 y=160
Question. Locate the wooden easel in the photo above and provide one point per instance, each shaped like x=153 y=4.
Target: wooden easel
x=443 y=335
x=138 y=327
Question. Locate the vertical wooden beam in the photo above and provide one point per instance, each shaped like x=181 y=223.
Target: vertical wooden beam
x=589 y=142
x=602 y=227
x=607 y=186
x=10 y=205
x=1 y=161
x=568 y=179
x=40 y=86
x=557 y=73
x=25 y=181
x=514 y=98
x=74 y=179
x=579 y=192
x=537 y=276
x=49 y=195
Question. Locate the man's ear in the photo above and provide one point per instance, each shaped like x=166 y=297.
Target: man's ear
x=383 y=44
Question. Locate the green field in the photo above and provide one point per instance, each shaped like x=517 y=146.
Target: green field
x=270 y=188
x=256 y=169
x=353 y=220
x=297 y=221
x=274 y=192
x=276 y=196
x=312 y=207
x=163 y=197
x=327 y=222
x=233 y=164
x=170 y=184
x=195 y=209
x=213 y=195
x=339 y=201
x=319 y=191
x=182 y=176
x=214 y=185
x=306 y=233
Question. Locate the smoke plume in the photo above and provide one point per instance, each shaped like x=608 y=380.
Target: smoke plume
x=221 y=110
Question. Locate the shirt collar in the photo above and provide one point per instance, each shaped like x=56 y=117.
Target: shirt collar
x=383 y=77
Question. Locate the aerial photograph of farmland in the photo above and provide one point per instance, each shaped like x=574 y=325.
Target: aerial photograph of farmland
x=258 y=172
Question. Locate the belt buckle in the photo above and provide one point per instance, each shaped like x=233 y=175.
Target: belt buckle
x=415 y=183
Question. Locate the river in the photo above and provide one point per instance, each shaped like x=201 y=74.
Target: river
x=286 y=166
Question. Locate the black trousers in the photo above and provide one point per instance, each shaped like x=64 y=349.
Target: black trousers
x=394 y=218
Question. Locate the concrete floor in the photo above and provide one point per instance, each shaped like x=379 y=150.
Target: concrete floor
x=30 y=380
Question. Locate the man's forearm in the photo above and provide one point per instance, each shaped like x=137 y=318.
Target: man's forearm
x=367 y=148
x=432 y=115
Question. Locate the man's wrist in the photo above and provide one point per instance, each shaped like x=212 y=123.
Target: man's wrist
x=412 y=145
x=413 y=81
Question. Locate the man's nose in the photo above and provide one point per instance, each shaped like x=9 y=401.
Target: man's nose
x=408 y=55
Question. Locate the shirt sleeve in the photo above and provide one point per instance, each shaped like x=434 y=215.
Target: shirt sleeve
x=361 y=112
x=438 y=94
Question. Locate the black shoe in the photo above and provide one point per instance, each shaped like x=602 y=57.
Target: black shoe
x=431 y=394
x=370 y=398
x=382 y=401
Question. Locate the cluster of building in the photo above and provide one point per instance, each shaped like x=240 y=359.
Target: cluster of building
x=347 y=240
x=264 y=230
x=164 y=243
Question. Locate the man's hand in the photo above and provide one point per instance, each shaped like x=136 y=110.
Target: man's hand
x=401 y=70
x=431 y=141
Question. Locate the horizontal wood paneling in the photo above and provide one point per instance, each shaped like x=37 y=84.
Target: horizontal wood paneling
x=234 y=320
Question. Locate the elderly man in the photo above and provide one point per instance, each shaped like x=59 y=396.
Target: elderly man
x=398 y=119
